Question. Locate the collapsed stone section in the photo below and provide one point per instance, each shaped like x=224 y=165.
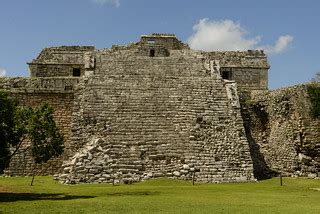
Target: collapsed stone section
x=283 y=137
x=156 y=117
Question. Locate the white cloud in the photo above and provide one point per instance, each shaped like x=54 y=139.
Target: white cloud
x=280 y=46
x=2 y=72
x=229 y=35
x=115 y=3
x=220 y=36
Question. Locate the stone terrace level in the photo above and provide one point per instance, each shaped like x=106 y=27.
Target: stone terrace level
x=154 y=108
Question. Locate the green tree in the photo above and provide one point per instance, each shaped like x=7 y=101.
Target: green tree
x=316 y=77
x=17 y=123
x=12 y=128
x=7 y=128
x=47 y=142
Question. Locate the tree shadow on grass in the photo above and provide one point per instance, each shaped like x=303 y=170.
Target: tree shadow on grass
x=12 y=197
x=141 y=193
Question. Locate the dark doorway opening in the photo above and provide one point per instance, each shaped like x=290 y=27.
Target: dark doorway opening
x=152 y=53
x=226 y=75
x=76 y=72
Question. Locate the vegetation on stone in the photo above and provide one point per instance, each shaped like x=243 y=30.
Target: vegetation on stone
x=314 y=96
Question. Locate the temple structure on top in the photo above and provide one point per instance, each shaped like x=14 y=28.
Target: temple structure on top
x=249 y=69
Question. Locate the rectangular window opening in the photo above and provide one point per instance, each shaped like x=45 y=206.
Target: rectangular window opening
x=152 y=53
x=226 y=75
x=76 y=72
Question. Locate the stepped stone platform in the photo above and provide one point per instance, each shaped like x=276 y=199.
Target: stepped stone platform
x=151 y=109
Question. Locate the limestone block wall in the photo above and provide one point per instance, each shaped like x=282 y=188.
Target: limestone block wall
x=283 y=136
x=142 y=117
x=250 y=78
x=58 y=93
x=155 y=50
x=169 y=41
x=248 y=68
x=55 y=70
x=59 y=61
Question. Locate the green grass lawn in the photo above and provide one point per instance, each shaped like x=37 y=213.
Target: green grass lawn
x=159 y=196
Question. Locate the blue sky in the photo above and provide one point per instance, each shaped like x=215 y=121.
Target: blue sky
x=288 y=29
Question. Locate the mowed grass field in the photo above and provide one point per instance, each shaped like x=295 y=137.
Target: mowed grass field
x=159 y=196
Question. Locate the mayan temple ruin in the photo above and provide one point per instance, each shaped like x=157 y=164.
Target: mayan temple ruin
x=156 y=108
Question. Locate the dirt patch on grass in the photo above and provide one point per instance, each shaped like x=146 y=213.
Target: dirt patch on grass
x=5 y=189
x=316 y=189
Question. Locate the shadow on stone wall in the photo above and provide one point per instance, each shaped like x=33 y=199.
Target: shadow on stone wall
x=260 y=168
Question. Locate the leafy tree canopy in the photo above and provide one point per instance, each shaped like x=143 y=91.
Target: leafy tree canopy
x=17 y=123
x=45 y=137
